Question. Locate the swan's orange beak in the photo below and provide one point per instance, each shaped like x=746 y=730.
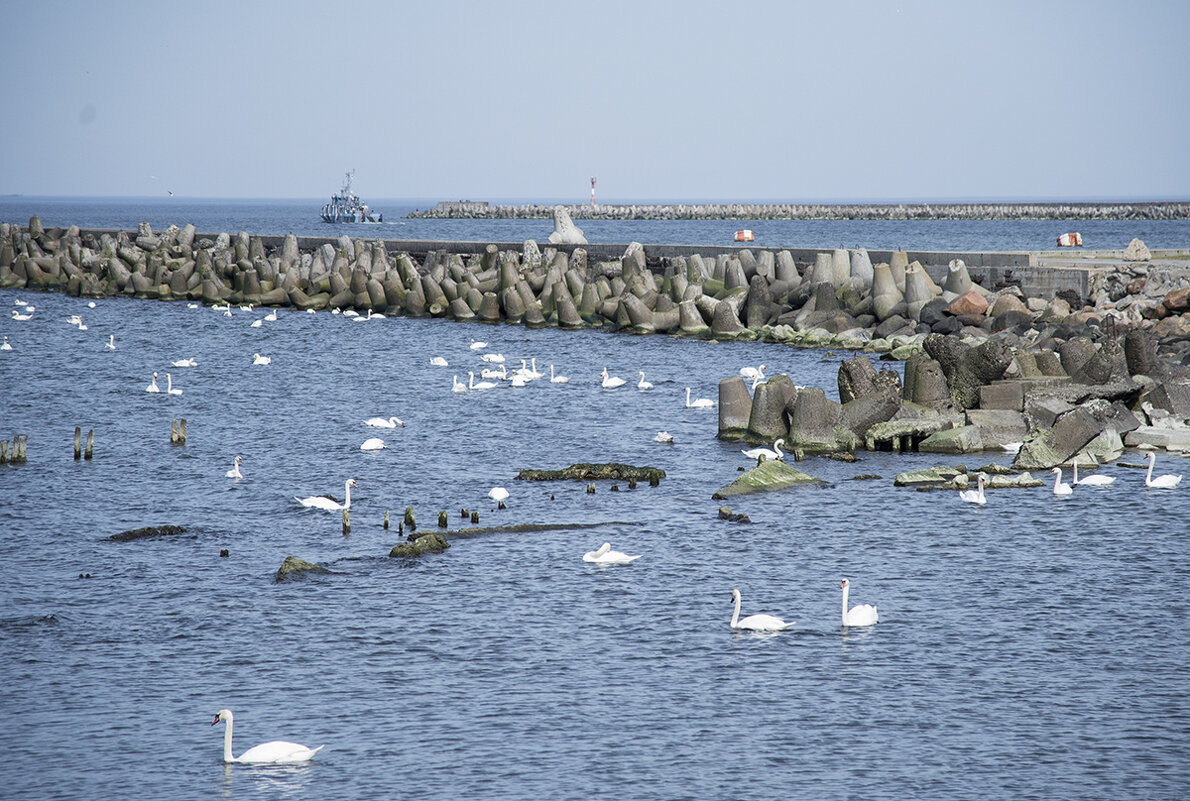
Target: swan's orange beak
x=216 y=720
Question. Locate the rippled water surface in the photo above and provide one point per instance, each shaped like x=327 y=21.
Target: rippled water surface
x=1033 y=648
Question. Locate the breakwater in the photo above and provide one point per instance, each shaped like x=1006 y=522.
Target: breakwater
x=1163 y=210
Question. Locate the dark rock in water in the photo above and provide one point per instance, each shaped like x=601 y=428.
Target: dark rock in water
x=426 y=543
x=147 y=532
x=584 y=471
x=765 y=477
x=727 y=514
x=294 y=568
x=857 y=377
x=877 y=406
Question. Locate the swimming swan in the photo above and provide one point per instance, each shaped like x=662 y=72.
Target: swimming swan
x=499 y=495
x=153 y=385
x=975 y=495
x=1161 y=482
x=373 y=444
x=1060 y=488
x=770 y=455
x=604 y=555
x=258 y=359
x=861 y=614
x=380 y=422
x=329 y=504
x=642 y=385
x=235 y=471
x=558 y=379
x=1091 y=481
x=480 y=385
x=458 y=386
x=169 y=386
x=701 y=403
x=270 y=752
x=759 y=622
x=610 y=381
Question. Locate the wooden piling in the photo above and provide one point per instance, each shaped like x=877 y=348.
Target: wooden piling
x=173 y=432
x=386 y=520
x=177 y=432
x=442 y=519
x=20 y=441
x=90 y=444
x=182 y=431
x=78 y=443
x=475 y=517
x=4 y=452
x=410 y=522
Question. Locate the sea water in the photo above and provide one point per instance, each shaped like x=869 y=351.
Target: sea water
x=1031 y=648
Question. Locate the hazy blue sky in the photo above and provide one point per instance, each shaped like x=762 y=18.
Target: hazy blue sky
x=785 y=100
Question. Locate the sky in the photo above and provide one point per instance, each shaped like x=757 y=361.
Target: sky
x=696 y=100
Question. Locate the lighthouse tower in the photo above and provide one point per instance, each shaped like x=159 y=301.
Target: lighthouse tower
x=592 y=190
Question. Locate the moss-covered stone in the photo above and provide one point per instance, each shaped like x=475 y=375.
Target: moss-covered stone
x=766 y=477
x=427 y=543
x=584 y=471
x=293 y=568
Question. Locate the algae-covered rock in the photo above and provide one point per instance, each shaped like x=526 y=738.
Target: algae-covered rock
x=929 y=475
x=765 y=477
x=427 y=543
x=584 y=471
x=146 y=533
x=293 y=568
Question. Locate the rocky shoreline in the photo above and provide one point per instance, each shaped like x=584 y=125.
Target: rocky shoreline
x=818 y=211
x=984 y=366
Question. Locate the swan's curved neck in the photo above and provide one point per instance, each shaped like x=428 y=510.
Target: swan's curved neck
x=735 y=616
x=846 y=590
x=687 y=396
x=347 y=490
x=1075 y=479
x=777 y=448
x=227 y=757
x=1149 y=475
x=1057 y=478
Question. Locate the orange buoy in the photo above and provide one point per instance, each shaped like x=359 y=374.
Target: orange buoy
x=743 y=236
x=1070 y=240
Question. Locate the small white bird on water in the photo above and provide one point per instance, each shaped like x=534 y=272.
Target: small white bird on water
x=329 y=504
x=604 y=555
x=458 y=386
x=373 y=444
x=478 y=345
x=770 y=454
x=111 y=342
x=153 y=385
x=1060 y=487
x=1090 y=481
x=610 y=381
x=258 y=359
x=493 y=358
x=169 y=386
x=274 y=752
x=558 y=379
x=438 y=361
x=664 y=437
x=184 y=363
x=1167 y=481
x=976 y=495
x=499 y=495
x=234 y=472
x=6 y=346
x=642 y=385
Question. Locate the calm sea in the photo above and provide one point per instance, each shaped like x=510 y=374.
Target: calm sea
x=1032 y=648
x=300 y=217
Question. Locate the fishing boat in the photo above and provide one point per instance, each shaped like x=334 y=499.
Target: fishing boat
x=345 y=207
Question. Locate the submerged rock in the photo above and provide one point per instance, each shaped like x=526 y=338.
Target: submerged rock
x=146 y=533
x=584 y=471
x=294 y=568
x=426 y=543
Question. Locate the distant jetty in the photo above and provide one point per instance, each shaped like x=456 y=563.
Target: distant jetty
x=1159 y=210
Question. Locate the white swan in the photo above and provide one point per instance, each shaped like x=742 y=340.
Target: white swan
x=329 y=504
x=256 y=324
x=438 y=361
x=478 y=345
x=1060 y=488
x=606 y=556
x=1012 y=447
x=153 y=385
x=533 y=372
x=664 y=437
x=184 y=363
x=859 y=615
x=501 y=373
x=6 y=346
x=642 y=385
x=480 y=385
x=111 y=342
x=558 y=379
x=701 y=403
x=258 y=359
x=373 y=444
x=1091 y=481
x=759 y=622
x=1166 y=481
x=271 y=752
x=754 y=373
x=458 y=386
x=271 y=317
x=975 y=495
x=380 y=422
x=519 y=380
x=499 y=495
x=18 y=316
x=234 y=472
x=769 y=454
x=493 y=358
x=610 y=381
x=169 y=386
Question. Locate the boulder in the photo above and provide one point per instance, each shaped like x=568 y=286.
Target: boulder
x=857 y=377
x=814 y=419
x=877 y=406
x=969 y=302
x=426 y=543
x=765 y=477
x=1136 y=251
x=295 y=568
x=1070 y=434
x=565 y=231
